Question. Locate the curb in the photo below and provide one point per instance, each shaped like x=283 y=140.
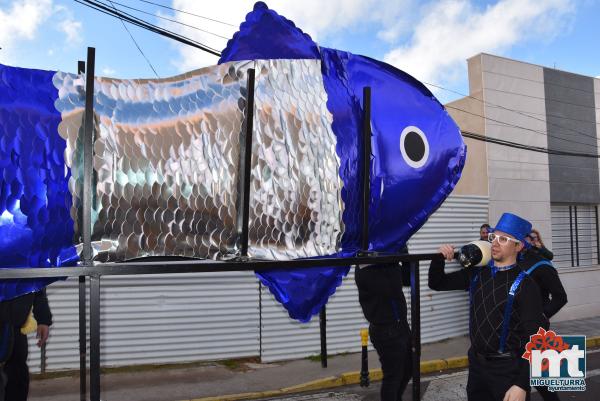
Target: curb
x=343 y=379
x=349 y=378
x=592 y=342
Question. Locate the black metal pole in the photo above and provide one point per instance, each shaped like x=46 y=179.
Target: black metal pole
x=571 y=235
x=43 y=359
x=88 y=154
x=82 y=341
x=95 y=338
x=597 y=234
x=205 y=266
x=415 y=319
x=366 y=200
x=323 y=330
x=245 y=204
x=260 y=321
x=576 y=220
x=86 y=227
x=366 y=167
x=82 y=313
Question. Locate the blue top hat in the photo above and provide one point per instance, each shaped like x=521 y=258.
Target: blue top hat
x=513 y=225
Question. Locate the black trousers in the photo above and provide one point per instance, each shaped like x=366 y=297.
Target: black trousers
x=489 y=380
x=2 y=382
x=393 y=345
x=547 y=395
x=17 y=371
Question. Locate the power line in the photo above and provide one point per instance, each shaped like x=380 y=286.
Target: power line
x=545 y=98
x=517 y=145
x=187 y=12
x=532 y=114
x=171 y=20
x=480 y=137
x=505 y=124
x=136 y=43
x=545 y=133
x=518 y=112
x=103 y=8
x=544 y=82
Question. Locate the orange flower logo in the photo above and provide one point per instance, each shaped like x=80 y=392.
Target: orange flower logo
x=544 y=340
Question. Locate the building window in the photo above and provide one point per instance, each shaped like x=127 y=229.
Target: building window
x=575 y=239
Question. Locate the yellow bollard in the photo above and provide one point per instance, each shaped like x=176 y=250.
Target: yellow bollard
x=364 y=366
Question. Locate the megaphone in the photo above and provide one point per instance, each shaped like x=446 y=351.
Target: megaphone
x=476 y=253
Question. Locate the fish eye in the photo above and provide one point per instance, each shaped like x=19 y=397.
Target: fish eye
x=414 y=146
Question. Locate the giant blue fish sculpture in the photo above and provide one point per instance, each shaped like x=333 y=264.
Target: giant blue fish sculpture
x=167 y=161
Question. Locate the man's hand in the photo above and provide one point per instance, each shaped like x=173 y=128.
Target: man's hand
x=448 y=251
x=43 y=330
x=515 y=393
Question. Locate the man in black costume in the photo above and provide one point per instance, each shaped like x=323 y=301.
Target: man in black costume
x=505 y=310
x=13 y=316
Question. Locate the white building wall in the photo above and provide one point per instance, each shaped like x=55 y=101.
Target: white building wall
x=583 y=283
x=518 y=179
x=597 y=105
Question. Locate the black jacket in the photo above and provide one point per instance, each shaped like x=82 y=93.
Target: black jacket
x=14 y=313
x=542 y=252
x=488 y=300
x=380 y=292
x=554 y=296
x=16 y=310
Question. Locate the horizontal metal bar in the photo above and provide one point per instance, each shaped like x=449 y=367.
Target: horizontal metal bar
x=200 y=266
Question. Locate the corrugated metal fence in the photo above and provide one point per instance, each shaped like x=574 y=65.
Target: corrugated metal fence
x=184 y=318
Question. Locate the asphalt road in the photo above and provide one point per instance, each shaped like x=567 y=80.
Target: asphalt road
x=449 y=387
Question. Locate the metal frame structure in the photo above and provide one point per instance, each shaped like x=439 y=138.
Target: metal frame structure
x=95 y=271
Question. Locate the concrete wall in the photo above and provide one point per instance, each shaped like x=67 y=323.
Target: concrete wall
x=597 y=109
x=572 y=103
x=468 y=114
x=518 y=180
x=571 y=127
x=582 y=285
x=474 y=175
x=519 y=105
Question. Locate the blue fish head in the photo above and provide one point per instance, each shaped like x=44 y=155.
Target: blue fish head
x=417 y=149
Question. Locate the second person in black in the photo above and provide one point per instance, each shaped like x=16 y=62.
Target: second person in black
x=384 y=306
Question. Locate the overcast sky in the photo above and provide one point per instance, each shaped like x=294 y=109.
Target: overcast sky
x=429 y=39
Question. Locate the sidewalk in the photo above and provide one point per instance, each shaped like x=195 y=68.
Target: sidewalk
x=217 y=380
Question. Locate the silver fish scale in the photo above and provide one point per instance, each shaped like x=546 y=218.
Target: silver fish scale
x=167 y=154
x=296 y=206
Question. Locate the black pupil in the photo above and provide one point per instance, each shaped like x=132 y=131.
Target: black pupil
x=414 y=146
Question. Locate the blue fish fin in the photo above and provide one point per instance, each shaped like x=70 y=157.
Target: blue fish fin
x=268 y=35
x=303 y=292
